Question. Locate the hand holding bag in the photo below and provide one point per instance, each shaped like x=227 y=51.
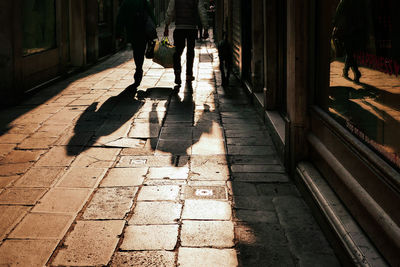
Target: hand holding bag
x=164 y=53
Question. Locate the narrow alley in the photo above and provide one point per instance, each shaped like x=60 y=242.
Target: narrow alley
x=92 y=176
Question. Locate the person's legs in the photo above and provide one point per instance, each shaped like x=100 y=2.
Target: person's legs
x=191 y=37
x=138 y=55
x=179 y=42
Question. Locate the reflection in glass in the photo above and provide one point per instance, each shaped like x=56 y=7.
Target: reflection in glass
x=38 y=26
x=366 y=100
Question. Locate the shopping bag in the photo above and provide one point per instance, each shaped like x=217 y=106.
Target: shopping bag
x=164 y=53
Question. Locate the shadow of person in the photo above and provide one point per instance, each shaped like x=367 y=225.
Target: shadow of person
x=95 y=123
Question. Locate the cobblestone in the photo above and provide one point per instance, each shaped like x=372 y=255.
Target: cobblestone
x=163 y=178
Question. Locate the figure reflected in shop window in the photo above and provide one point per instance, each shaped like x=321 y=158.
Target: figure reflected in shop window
x=352 y=26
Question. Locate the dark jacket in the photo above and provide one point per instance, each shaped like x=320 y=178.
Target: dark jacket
x=132 y=16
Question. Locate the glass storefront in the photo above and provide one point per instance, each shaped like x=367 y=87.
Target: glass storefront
x=39 y=26
x=364 y=87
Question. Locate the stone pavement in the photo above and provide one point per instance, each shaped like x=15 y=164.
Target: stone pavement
x=92 y=176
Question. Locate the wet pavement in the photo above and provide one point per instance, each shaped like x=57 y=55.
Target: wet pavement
x=91 y=175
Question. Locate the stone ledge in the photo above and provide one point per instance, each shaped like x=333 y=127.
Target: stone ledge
x=350 y=242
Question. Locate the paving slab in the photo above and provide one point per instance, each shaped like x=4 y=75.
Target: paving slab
x=267 y=168
x=205 y=192
x=90 y=243
x=255 y=216
x=63 y=200
x=43 y=226
x=9 y=217
x=146 y=161
x=218 y=234
x=21 y=196
x=26 y=252
x=206 y=210
x=158 y=193
x=144 y=259
x=260 y=177
x=40 y=177
x=78 y=177
x=14 y=169
x=174 y=173
x=6 y=181
x=158 y=213
x=22 y=156
x=97 y=157
x=205 y=257
x=56 y=157
x=150 y=237
x=110 y=203
x=253 y=202
x=124 y=177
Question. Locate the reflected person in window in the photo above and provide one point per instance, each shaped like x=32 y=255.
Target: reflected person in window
x=351 y=28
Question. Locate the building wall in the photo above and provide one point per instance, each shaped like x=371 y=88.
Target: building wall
x=291 y=58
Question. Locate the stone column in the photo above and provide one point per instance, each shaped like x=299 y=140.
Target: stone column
x=298 y=71
x=78 y=33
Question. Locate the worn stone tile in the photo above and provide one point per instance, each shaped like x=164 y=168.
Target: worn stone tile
x=14 y=169
x=271 y=189
x=253 y=160
x=253 y=203
x=146 y=161
x=302 y=231
x=74 y=139
x=56 y=157
x=205 y=257
x=260 y=177
x=243 y=189
x=22 y=156
x=39 y=177
x=110 y=203
x=144 y=130
x=261 y=234
x=217 y=234
x=38 y=143
x=201 y=183
x=208 y=146
x=68 y=200
x=209 y=168
x=205 y=192
x=124 y=177
x=147 y=150
x=47 y=130
x=165 y=192
x=266 y=255
x=126 y=143
x=251 y=136
x=97 y=157
x=90 y=243
x=10 y=138
x=144 y=259
x=43 y=226
x=26 y=252
x=256 y=216
x=258 y=168
x=9 y=217
x=174 y=147
x=174 y=173
x=21 y=196
x=5 y=149
x=156 y=213
x=150 y=237
x=206 y=210
x=77 y=177
x=251 y=150
x=7 y=180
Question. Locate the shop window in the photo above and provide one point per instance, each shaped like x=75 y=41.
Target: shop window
x=39 y=26
x=364 y=86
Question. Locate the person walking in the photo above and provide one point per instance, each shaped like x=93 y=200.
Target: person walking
x=352 y=25
x=132 y=17
x=185 y=13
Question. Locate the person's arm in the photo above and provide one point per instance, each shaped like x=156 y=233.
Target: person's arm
x=203 y=14
x=169 y=16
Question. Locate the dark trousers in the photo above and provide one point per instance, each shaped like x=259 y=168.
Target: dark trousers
x=138 y=48
x=180 y=38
